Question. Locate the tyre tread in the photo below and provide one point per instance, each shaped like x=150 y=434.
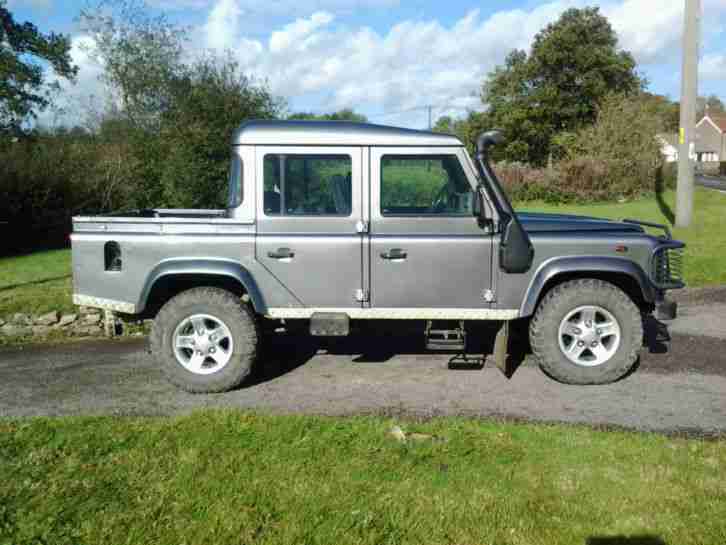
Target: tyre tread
x=249 y=338
x=548 y=354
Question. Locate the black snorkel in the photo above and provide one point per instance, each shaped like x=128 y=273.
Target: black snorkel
x=515 y=249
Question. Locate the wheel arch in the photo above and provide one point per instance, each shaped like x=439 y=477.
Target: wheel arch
x=623 y=273
x=173 y=276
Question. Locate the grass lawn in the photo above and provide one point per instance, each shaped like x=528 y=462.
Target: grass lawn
x=229 y=477
x=36 y=283
x=41 y=282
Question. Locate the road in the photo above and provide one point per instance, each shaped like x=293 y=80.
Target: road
x=683 y=390
x=711 y=182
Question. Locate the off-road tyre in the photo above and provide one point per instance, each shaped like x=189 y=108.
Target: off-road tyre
x=239 y=318
x=564 y=298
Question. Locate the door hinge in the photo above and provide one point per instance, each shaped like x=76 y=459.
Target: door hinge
x=361 y=295
x=361 y=226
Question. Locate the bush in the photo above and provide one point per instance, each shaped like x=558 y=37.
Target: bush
x=616 y=158
x=47 y=179
x=583 y=179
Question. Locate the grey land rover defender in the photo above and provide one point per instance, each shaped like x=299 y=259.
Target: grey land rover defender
x=329 y=223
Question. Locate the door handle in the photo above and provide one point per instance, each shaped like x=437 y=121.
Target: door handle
x=281 y=253
x=394 y=254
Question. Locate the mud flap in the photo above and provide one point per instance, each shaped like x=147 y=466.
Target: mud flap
x=501 y=350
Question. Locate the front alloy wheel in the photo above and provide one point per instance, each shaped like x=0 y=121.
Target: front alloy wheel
x=586 y=331
x=589 y=335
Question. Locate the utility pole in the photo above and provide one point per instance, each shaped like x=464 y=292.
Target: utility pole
x=689 y=95
x=430 y=126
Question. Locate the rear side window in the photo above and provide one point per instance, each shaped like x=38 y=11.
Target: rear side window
x=235 y=182
x=424 y=185
x=307 y=185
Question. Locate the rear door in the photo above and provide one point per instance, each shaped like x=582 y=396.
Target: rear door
x=427 y=250
x=308 y=217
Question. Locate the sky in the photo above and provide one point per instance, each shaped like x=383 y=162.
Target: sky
x=391 y=59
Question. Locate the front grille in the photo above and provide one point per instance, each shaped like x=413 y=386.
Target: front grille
x=667 y=270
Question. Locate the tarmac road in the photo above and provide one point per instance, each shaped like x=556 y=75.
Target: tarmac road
x=683 y=390
x=711 y=182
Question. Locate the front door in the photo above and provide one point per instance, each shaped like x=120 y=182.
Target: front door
x=427 y=250
x=308 y=213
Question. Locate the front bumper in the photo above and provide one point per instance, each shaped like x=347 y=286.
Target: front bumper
x=666 y=310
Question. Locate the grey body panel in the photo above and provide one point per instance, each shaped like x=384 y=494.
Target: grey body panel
x=451 y=269
x=147 y=258
x=448 y=258
x=324 y=272
x=584 y=252
x=326 y=268
x=438 y=271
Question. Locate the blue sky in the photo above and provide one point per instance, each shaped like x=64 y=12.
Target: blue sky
x=391 y=58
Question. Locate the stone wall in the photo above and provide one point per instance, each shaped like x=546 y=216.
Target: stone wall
x=85 y=322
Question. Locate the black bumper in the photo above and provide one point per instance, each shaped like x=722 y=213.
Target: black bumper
x=666 y=310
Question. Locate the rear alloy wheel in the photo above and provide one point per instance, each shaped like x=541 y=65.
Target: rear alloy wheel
x=206 y=340
x=203 y=344
x=586 y=332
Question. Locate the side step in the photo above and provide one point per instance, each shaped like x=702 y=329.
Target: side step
x=445 y=339
x=329 y=324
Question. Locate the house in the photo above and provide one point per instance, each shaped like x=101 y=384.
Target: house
x=711 y=138
x=668 y=146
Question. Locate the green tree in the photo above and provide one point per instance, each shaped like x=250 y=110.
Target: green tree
x=24 y=89
x=177 y=115
x=346 y=114
x=466 y=128
x=621 y=147
x=209 y=102
x=573 y=64
x=141 y=56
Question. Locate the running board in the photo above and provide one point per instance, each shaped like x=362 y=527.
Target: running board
x=445 y=339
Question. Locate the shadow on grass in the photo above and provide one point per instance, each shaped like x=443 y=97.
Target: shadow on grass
x=665 y=209
x=622 y=540
x=34 y=282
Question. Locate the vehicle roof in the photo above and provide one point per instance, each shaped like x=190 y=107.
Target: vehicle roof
x=336 y=133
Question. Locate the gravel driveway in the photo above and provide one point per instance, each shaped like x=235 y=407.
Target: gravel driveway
x=683 y=389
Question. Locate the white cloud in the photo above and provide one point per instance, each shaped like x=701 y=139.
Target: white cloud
x=278 y=8
x=320 y=63
x=299 y=34
x=650 y=29
x=222 y=27
x=713 y=67
x=316 y=60
x=414 y=63
x=75 y=101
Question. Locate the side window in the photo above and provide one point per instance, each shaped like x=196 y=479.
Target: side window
x=422 y=185
x=235 y=182
x=307 y=185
